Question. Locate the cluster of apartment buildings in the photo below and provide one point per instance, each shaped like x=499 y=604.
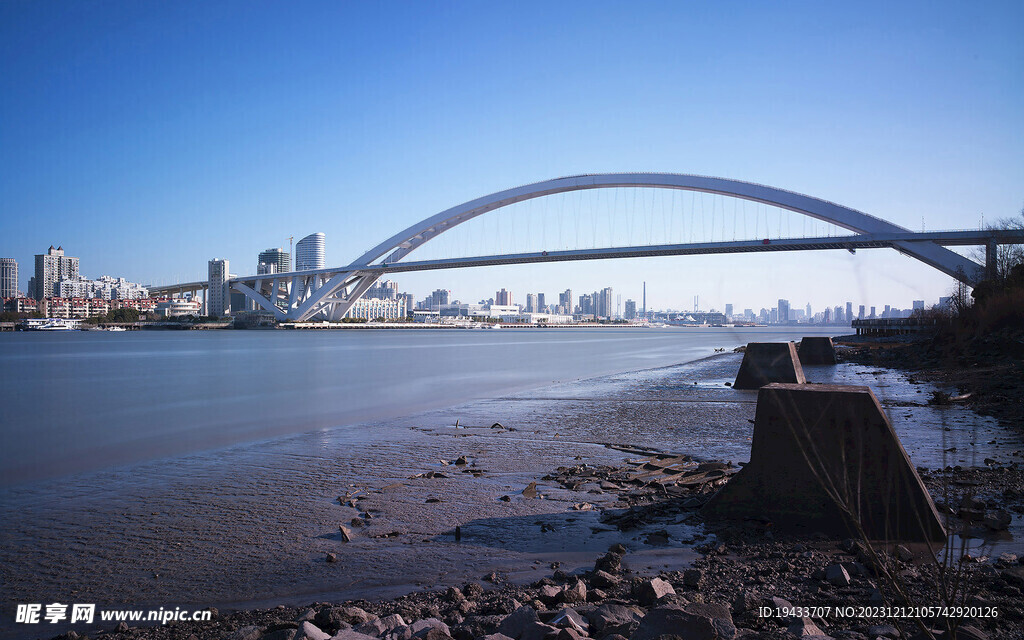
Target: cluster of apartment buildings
x=58 y=290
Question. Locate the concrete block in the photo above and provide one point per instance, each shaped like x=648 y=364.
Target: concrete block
x=817 y=350
x=766 y=362
x=815 y=445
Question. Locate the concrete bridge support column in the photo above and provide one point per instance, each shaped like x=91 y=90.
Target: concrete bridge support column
x=991 y=260
x=825 y=458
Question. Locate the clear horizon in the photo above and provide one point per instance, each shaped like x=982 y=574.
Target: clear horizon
x=148 y=138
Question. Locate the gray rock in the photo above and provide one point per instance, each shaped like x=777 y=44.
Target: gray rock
x=604 y=579
x=371 y=628
x=651 y=591
x=596 y=595
x=674 y=621
x=613 y=619
x=569 y=618
x=355 y=615
x=516 y=623
x=884 y=630
x=610 y=562
x=779 y=603
x=718 y=614
x=537 y=631
x=392 y=622
x=250 y=632
x=421 y=627
x=349 y=634
x=281 y=634
x=745 y=601
x=576 y=592
x=549 y=593
x=836 y=575
x=309 y=631
x=472 y=590
x=803 y=627
x=496 y=636
x=903 y=554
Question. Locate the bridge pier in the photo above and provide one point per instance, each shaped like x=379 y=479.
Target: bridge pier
x=991 y=260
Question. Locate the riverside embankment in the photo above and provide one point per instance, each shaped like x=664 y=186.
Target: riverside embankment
x=540 y=549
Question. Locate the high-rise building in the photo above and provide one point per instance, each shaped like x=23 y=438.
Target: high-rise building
x=918 y=305
x=52 y=267
x=279 y=257
x=565 y=301
x=849 y=312
x=217 y=301
x=872 y=313
x=8 y=278
x=310 y=252
x=503 y=297
x=439 y=298
x=728 y=310
x=837 y=315
x=783 y=307
x=531 y=303
x=630 y=312
x=542 y=305
x=808 y=311
x=605 y=304
x=860 y=312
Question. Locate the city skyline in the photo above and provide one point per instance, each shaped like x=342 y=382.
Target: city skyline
x=171 y=145
x=279 y=257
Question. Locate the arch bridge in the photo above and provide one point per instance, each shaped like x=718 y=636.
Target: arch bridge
x=331 y=293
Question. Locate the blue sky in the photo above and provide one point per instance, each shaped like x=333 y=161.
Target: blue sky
x=147 y=138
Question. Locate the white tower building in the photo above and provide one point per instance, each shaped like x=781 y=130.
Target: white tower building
x=310 y=252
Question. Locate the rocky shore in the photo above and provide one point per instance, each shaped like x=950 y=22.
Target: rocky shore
x=746 y=582
x=743 y=579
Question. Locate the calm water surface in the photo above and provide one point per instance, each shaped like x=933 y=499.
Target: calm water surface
x=204 y=468
x=80 y=401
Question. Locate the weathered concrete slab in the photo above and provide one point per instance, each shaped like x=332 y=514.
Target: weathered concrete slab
x=816 y=444
x=817 y=350
x=767 y=362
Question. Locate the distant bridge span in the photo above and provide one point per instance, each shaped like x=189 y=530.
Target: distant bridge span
x=332 y=292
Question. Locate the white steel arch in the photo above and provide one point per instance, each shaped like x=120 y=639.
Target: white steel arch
x=336 y=290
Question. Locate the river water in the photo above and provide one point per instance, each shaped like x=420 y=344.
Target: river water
x=204 y=468
x=81 y=401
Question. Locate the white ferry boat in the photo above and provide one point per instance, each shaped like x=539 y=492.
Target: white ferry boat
x=52 y=324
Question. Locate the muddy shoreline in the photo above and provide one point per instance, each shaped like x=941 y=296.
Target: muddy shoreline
x=676 y=571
